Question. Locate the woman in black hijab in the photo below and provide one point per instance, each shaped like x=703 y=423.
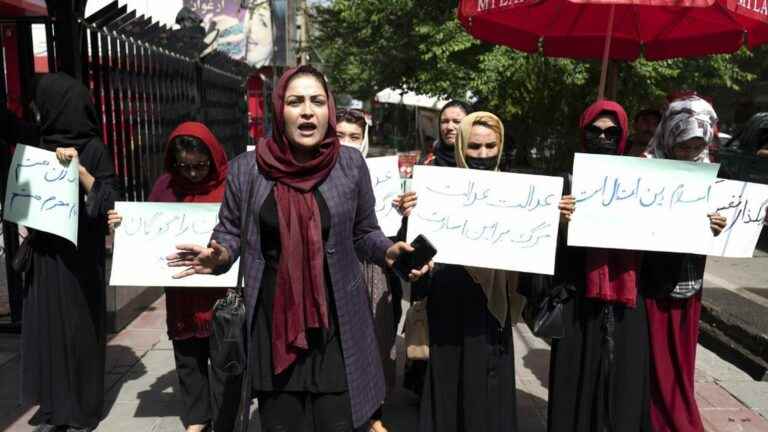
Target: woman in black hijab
x=450 y=116
x=63 y=349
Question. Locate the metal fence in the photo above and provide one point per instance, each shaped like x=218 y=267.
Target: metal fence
x=145 y=79
x=143 y=90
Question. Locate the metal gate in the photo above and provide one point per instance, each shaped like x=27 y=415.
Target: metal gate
x=145 y=80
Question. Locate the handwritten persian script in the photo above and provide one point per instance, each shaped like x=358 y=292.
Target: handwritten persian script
x=385 y=179
x=488 y=219
x=641 y=204
x=744 y=205
x=43 y=193
x=150 y=232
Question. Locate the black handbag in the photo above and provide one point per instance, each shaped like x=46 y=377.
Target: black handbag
x=230 y=379
x=543 y=312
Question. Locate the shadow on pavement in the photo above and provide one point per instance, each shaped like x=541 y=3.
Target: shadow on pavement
x=537 y=361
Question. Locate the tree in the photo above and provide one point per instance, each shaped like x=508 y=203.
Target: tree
x=419 y=45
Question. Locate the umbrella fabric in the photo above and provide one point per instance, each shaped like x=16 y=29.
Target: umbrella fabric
x=655 y=29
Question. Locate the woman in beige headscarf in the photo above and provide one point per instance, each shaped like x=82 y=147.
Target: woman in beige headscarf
x=470 y=383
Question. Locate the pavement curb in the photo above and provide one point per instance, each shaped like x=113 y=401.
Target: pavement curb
x=734 y=341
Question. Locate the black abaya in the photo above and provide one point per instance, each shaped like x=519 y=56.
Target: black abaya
x=599 y=371
x=63 y=334
x=470 y=379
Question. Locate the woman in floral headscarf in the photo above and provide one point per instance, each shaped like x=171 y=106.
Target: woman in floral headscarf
x=672 y=282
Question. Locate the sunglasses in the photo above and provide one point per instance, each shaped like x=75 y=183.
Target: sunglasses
x=611 y=133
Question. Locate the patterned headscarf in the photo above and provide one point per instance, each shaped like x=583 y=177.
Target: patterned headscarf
x=692 y=117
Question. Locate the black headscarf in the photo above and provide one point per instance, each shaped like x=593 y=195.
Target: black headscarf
x=67 y=115
x=445 y=155
x=753 y=136
x=68 y=118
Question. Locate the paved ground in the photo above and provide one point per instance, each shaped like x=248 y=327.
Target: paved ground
x=141 y=385
x=739 y=287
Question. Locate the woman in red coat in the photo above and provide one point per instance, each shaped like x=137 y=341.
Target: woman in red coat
x=196 y=170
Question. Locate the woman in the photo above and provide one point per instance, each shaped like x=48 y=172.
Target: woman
x=64 y=341
x=673 y=282
x=599 y=370
x=195 y=172
x=450 y=117
x=352 y=131
x=312 y=352
x=444 y=155
x=470 y=380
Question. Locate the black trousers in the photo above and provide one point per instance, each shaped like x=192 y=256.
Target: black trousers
x=305 y=412
x=192 y=369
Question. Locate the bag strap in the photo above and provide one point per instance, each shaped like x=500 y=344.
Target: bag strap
x=245 y=218
x=243 y=416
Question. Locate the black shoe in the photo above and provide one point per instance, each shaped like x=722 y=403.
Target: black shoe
x=76 y=429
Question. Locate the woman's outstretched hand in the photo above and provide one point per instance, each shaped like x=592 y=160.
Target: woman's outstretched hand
x=198 y=259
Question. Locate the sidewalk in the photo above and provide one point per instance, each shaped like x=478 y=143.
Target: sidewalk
x=141 y=383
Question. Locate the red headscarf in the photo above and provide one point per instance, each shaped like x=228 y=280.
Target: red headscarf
x=172 y=187
x=611 y=274
x=606 y=107
x=300 y=298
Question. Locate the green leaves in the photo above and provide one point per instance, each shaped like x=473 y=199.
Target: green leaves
x=419 y=45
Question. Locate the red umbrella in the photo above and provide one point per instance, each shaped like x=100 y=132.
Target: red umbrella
x=618 y=29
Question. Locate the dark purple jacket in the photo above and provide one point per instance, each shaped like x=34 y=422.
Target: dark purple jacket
x=354 y=231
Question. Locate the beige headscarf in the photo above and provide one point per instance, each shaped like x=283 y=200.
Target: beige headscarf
x=499 y=286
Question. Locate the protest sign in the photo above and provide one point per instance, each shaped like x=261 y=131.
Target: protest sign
x=744 y=206
x=385 y=179
x=150 y=232
x=43 y=193
x=488 y=219
x=641 y=204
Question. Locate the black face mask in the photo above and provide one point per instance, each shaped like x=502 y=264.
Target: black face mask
x=485 y=164
x=599 y=146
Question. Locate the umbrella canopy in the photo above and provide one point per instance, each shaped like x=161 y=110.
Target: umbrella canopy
x=655 y=29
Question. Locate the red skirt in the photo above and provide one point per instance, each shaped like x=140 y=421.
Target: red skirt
x=674 y=332
x=189 y=311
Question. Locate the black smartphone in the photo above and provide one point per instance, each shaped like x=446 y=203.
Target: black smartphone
x=422 y=254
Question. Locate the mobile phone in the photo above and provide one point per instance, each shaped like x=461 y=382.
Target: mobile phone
x=422 y=254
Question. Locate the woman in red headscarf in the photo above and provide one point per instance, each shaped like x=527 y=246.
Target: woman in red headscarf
x=196 y=172
x=599 y=369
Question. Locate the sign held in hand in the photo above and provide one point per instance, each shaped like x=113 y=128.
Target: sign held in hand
x=488 y=219
x=744 y=205
x=43 y=193
x=150 y=232
x=387 y=185
x=641 y=204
